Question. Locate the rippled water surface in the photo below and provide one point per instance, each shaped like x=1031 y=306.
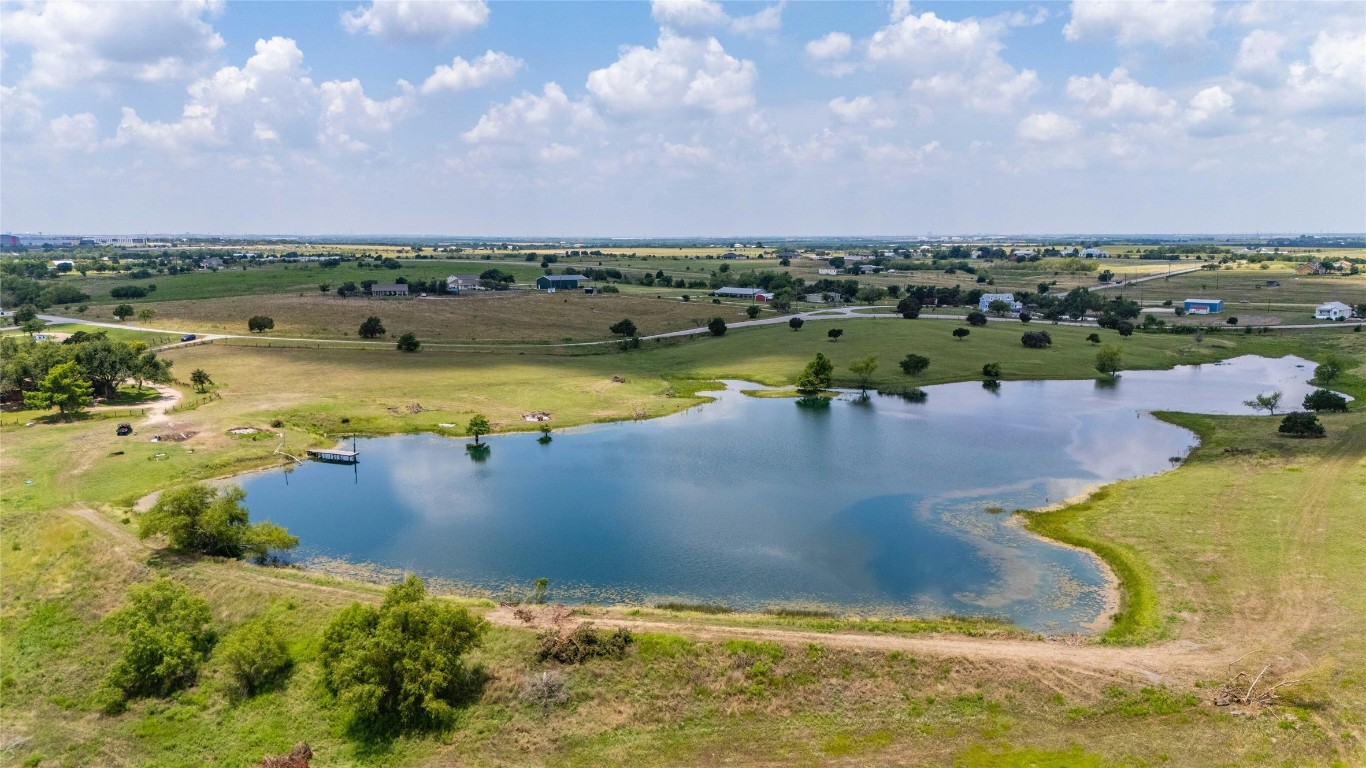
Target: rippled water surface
x=877 y=505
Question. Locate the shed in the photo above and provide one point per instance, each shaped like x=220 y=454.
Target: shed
x=739 y=293
x=1203 y=306
x=394 y=289
x=551 y=282
x=1333 y=310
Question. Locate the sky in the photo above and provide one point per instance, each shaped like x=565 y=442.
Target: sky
x=682 y=118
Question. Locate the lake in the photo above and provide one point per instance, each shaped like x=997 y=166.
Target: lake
x=876 y=505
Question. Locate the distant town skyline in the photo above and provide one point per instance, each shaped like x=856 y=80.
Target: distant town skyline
x=682 y=119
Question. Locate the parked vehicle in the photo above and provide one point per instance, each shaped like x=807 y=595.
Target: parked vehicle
x=188 y=337
x=125 y=429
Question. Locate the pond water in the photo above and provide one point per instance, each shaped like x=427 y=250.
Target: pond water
x=874 y=505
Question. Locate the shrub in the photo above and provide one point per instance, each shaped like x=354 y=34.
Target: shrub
x=165 y=637
x=1124 y=327
x=128 y=292
x=796 y=323
x=961 y=333
x=1094 y=338
x=1322 y=400
x=197 y=518
x=991 y=371
x=1301 y=425
x=255 y=656
x=371 y=328
x=834 y=333
x=914 y=365
x=408 y=342
x=623 y=328
x=400 y=665
x=909 y=308
x=717 y=326
x=976 y=318
x=1036 y=339
x=583 y=644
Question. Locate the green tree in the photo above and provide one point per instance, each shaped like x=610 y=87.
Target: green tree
x=796 y=323
x=408 y=342
x=371 y=328
x=401 y=665
x=1321 y=400
x=717 y=326
x=1301 y=425
x=961 y=333
x=123 y=311
x=260 y=324
x=145 y=315
x=208 y=521
x=998 y=307
x=623 y=328
x=148 y=367
x=1109 y=360
x=976 y=318
x=1268 y=402
x=909 y=308
x=1329 y=369
x=33 y=326
x=991 y=371
x=914 y=365
x=835 y=333
x=200 y=379
x=1094 y=338
x=165 y=633
x=64 y=387
x=478 y=426
x=752 y=311
x=863 y=370
x=25 y=313
x=254 y=656
x=870 y=294
x=816 y=375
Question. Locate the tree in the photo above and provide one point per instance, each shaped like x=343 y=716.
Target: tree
x=991 y=371
x=123 y=311
x=1124 y=327
x=1268 y=402
x=1232 y=321
x=1323 y=400
x=1025 y=317
x=752 y=310
x=254 y=656
x=998 y=307
x=976 y=318
x=961 y=333
x=25 y=313
x=33 y=326
x=1043 y=288
x=209 y=521
x=1094 y=338
x=863 y=370
x=717 y=326
x=816 y=375
x=165 y=632
x=908 y=308
x=145 y=315
x=200 y=379
x=1036 y=339
x=796 y=323
x=1301 y=425
x=64 y=387
x=623 y=328
x=260 y=324
x=870 y=294
x=1328 y=370
x=371 y=328
x=834 y=333
x=478 y=426
x=401 y=665
x=408 y=342
x=1109 y=360
x=149 y=367
x=914 y=365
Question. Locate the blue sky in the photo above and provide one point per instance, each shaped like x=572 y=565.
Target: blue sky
x=683 y=118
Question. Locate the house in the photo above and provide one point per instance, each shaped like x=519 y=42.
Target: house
x=1026 y=252
x=733 y=255
x=1095 y=253
x=753 y=294
x=869 y=269
x=213 y=262
x=551 y=282
x=1008 y=298
x=1333 y=310
x=459 y=283
x=1343 y=266
x=1312 y=268
x=395 y=289
x=1203 y=306
x=829 y=271
x=819 y=298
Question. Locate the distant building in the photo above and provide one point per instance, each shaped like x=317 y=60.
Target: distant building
x=827 y=271
x=1312 y=268
x=1333 y=310
x=868 y=269
x=733 y=255
x=753 y=294
x=551 y=282
x=1203 y=306
x=1095 y=253
x=213 y=262
x=985 y=302
x=395 y=289
x=461 y=283
x=1343 y=266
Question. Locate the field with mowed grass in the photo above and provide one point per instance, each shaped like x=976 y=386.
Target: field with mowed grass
x=1250 y=546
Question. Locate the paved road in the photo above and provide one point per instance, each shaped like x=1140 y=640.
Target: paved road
x=1160 y=276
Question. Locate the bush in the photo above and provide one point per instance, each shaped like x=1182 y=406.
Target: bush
x=1036 y=339
x=991 y=371
x=909 y=308
x=197 y=518
x=1301 y=425
x=1094 y=338
x=371 y=328
x=165 y=635
x=399 y=665
x=914 y=365
x=255 y=656
x=408 y=342
x=796 y=323
x=128 y=292
x=961 y=333
x=583 y=644
x=1124 y=327
x=717 y=326
x=1322 y=400
x=834 y=333
x=976 y=318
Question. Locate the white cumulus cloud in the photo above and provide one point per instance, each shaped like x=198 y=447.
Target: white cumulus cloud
x=461 y=75
x=679 y=73
x=1119 y=95
x=533 y=115
x=1137 y=22
x=416 y=21
x=1047 y=127
x=76 y=132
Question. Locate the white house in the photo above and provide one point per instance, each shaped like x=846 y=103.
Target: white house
x=1008 y=298
x=1095 y=253
x=1333 y=310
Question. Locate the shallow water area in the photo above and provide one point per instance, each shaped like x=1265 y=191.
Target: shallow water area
x=874 y=505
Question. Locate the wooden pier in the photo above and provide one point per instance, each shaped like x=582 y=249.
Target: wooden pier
x=334 y=455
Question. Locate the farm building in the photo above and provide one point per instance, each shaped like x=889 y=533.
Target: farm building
x=551 y=282
x=754 y=294
x=1009 y=299
x=394 y=289
x=1333 y=310
x=1203 y=306
x=458 y=283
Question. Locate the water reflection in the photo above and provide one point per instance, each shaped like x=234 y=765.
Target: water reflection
x=871 y=503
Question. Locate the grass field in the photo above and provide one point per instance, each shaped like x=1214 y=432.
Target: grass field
x=1265 y=559
x=1249 y=283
